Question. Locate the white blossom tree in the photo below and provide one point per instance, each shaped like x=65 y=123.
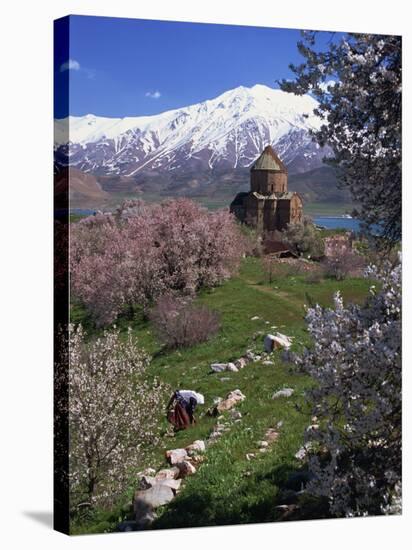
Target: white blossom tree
x=355 y=362
x=112 y=413
x=357 y=80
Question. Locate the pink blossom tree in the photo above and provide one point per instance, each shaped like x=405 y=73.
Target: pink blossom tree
x=132 y=257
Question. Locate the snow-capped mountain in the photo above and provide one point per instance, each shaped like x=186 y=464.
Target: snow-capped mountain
x=227 y=132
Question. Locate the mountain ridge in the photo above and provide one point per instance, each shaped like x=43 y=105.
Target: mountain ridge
x=225 y=132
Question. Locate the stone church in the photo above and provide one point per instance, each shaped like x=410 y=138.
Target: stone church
x=268 y=206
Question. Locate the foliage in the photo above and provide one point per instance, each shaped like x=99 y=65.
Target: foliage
x=303 y=238
x=356 y=363
x=181 y=324
x=132 y=257
x=111 y=414
x=357 y=81
x=341 y=263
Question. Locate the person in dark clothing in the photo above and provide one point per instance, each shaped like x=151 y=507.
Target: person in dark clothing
x=184 y=404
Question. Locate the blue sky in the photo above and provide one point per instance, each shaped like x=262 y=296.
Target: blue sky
x=130 y=67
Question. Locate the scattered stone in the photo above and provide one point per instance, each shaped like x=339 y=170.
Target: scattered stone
x=198 y=459
x=175 y=456
x=169 y=473
x=225 y=379
x=232 y=367
x=147 y=472
x=276 y=341
x=145 y=482
x=250 y=355
x=231 y=400
x=262 y=450
x=186 y=468
x=197 y=446
x=279 y=424
x=218 y=367
x=249 y=456
x=266 y=322
x=156 y=496
x=235 y=415
x=258 y=357
x=271 y=435
x=312 y=428
x=267 y=362
x=286 y=392
x=241 y=362
x=174 y=484
x=263 y=444
x=255 y=318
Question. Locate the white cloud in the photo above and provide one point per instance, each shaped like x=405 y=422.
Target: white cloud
x=325 y=85
x=70 y=65
x=154 y=95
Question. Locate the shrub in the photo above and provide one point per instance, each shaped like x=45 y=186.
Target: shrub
x=356 y=366
x=111 y=414
x=181 y=324
x=304 y=239
x=341 y=264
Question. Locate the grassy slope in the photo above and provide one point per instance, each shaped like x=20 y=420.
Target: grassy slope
x=228 y=488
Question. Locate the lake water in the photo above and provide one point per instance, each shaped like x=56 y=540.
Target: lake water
x=330 y=222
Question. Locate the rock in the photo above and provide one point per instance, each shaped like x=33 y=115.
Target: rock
x=232 y=367
x=279 y=424
x=127 y=526
x=186 y=468
x=250 y=355
x=218 y=367
x=174 y=484
x=263 y=450
x=235 y=415
x=286 y=392
x=241 y=363
x=276 y=341
x=255 y=318
x=168 y=473
x=197 y=446
x=312 y=428
x=176 y=455
x=156 y=496
x=271 y=435
x=225 y=379
x=198 y=459
x=263 y=444
x=267 y=362
x=231 y=400
x=249 y=456
x=145 y=482
x=147 y=472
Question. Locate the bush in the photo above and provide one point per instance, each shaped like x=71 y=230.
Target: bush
x=341 y=264
x=182 y=324
x=304 y=239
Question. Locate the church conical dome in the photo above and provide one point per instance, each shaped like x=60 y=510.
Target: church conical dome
x=269 y=160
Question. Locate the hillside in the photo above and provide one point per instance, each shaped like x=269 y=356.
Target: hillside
x=228 y=487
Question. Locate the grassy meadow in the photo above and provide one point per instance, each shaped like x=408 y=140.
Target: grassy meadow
x=228 y=488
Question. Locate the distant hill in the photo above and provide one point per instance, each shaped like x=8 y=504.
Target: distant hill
x=84 y=189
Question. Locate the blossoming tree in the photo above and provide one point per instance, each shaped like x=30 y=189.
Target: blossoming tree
x=356 y=364
x=112 y=413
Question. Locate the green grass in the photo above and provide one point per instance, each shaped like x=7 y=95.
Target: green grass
x=227 y=487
